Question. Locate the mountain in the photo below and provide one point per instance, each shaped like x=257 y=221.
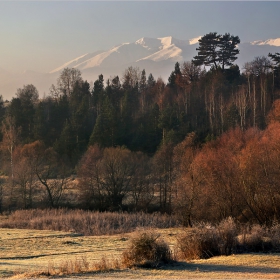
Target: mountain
x=145 y=49
x=270 y=42
x=156 y=55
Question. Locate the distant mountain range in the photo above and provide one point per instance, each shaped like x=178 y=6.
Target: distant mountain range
x=156 y=55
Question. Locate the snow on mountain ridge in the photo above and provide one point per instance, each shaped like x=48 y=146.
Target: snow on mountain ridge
x=75 y=62
x=168 y=41
x=149 y=43
x=118 y=55
x=272 y=42
x=167 y=52
x=98 y=59
x=69 y=62
x=164 y=49
x=155 y=55
x=155 y=49
x=160 y=43
x=194 y=40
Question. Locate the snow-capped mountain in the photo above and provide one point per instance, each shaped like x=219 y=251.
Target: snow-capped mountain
x=156 y=55
x=151 y=49
x=270 y=42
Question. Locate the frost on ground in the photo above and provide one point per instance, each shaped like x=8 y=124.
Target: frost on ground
x=25 y=251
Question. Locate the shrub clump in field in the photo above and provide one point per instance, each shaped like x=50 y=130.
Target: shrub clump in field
x=206 y=241
x=198 y=243
x=227 y=231
x=257 y=239
x=226 y=238
x=147 y=250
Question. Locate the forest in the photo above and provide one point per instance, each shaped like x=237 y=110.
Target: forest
x=204 y=146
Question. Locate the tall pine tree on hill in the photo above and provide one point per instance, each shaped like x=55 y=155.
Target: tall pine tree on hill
x=217 y=50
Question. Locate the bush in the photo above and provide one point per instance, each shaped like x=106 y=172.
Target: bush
x=227 y=236
x=274 y=235
x=257 y=239
x=146 y=250
x=206 y=241
x=199 y=243
x=188 y=246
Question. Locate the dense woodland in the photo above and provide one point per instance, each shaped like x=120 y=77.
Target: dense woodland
x=205 y=145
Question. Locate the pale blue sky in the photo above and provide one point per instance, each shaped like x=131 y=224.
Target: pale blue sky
x=41 y=36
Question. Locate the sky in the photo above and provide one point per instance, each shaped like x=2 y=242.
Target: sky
x=42 y=35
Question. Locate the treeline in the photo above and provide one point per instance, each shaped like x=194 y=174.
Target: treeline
x=141 y=113
x=204 y=145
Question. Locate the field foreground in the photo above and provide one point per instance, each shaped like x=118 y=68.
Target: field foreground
x=23 y=252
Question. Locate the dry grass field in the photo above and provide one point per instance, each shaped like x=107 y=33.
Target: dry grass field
x=25 y=252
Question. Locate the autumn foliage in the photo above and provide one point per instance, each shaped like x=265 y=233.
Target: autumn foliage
x=240 y=175
x=203 y=146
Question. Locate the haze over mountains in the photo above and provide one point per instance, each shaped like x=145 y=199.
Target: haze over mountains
x=156 y=55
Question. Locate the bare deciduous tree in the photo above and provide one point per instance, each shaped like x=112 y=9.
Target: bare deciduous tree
x=49 y=170
x=107 y=176
x=67 y=80
x=131 y=77
x=10 y=138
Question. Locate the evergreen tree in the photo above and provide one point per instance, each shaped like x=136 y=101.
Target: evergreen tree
x=81 y=114
x=40 y=125
x=175 y=76
x=98 y=93
x=228 y=50
x=151 y=81
x=276 y=69
x=143 y=81
x=148 y=135
x=66 y=145
x=105 y=132
x=114 y=92
x=217 y=50
x=275 y=58
x=167 y=121
x=22 y=109
x=208 y=50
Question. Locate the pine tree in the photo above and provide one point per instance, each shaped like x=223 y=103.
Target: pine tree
x=228 y=51
x=98 y=93
x=105 y=132
x=217 y=50
x=151 y=81
x=66 y=145
x=175 y=76
x=207 y=50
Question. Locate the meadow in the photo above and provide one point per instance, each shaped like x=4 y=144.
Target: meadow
x=33 y=253
x=29 y=253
